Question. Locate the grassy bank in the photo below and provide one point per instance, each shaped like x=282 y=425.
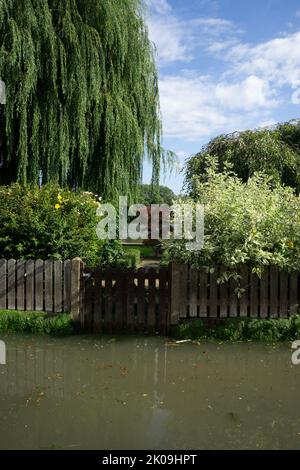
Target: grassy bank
x=233 y=330
x=35 y=322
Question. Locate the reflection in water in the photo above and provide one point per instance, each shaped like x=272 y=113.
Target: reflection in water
x=141 y=393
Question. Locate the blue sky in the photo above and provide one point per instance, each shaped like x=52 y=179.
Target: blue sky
x=224 y=66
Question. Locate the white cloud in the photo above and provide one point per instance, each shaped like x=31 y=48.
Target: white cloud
x=243 y=91
x=169 y=38
x=178 y=40
x=159 y=6
x=277 y=61
x=248 y=94
x=296 y=97
x=195 y=108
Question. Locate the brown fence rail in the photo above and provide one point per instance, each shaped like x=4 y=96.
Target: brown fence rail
x=144 y=300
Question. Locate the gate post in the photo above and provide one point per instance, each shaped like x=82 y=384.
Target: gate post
x=76 y=289
x=175 y=292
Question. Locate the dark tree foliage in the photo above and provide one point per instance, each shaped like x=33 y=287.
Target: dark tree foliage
x=82 y=94
x=275 y=152
x=149 y=194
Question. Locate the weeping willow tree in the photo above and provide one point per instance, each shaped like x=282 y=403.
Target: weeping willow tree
x=82 y=104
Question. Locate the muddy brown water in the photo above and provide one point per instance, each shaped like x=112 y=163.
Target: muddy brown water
x=144 y=393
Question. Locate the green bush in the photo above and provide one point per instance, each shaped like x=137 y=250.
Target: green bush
x=149 y=194
x=48 y=223
x=111 y=254
x=234 y=330
x=254 y=223
x=53 y=223
x=275 y=152
x=132 y=258
x=35 y=323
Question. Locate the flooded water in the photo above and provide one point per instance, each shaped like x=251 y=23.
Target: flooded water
x=143 y=393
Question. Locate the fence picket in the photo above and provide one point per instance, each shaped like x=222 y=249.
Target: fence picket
x=293 y=294
x=163 y=301
x=274 y=291
x=3 y=284
x=11 y=285
x=284 y=310
x=224 y=300
x=58 y=292
x=264 y=301
x=193 y=293
x=141 y=299
x=151 y=317
x=233 y=300
x=39 y=285
x=20 y=266
x=244 y=273
x=203 y=291
x=254 y=295
x=49 y=286
x=29 y=285
x=213 y=294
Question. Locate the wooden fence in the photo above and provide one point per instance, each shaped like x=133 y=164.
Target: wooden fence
x=146 y=300
x=198 y=294
x=43 y=286
x=126 y=299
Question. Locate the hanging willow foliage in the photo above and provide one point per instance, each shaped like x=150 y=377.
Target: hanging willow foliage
x=82 y=94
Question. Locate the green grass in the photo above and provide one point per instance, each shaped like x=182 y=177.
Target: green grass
x=132 y=258
x=36 y=323
x=235 y=330
x=145 y=251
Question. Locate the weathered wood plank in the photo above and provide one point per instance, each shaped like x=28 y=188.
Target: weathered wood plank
x=175 y=292
x=49 y=304
x=213 y=294
x=193 y=292
x=141 y=299
x=95 y=285
x=29 y=285
x=294 y=299
x=108 y=300
x=151 y=317
x=76 y=285
x=39 y=285
x=3 y=284
x=274 y=291
x=58 y=286
x=67 y=286
x=284 y=308
x=254 y=295
x=203 y=294
x=244 y=299
x=184 y=299
x=11 y=285
x=163 y=301
x=264 y=294
x=89 y=319
x=233 y=300
x=224 y=297
x=129 y=296
x=20 y=266
x=120 y=278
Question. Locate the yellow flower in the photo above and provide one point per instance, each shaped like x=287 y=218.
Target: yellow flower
x=60 y=198
x=57 y=206
x=291 y=245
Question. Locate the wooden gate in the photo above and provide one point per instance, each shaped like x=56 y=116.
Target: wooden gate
x=125 y=300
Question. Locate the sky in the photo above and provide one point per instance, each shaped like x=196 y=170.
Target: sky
x=224 y=66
